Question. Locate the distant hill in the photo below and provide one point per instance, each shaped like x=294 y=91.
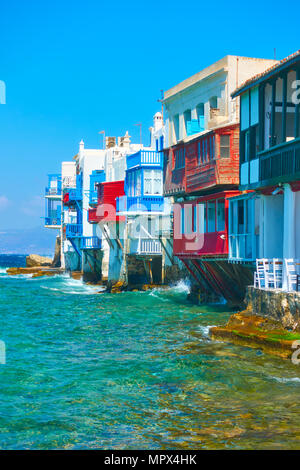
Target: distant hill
x=38 y=240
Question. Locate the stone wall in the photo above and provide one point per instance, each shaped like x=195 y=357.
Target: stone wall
x=277 y=305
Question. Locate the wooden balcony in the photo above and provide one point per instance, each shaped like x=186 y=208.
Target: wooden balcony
x=210 y=161
x=281 y=164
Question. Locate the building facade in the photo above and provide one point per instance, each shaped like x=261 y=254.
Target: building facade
x=201 y=170
x=265 y=220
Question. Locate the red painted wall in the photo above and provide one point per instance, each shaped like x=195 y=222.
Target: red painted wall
x=107 y=194
x=214 y=243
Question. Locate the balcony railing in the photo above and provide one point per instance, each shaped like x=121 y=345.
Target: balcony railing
x=145 y=246
x=149 y=247
x=146 y=158
x=282 y=163
x=53 y=221
x=73 y=230
x=54 y=185
x=72 y=196
x=69 y=181
x=90 y=243
x=140 y=204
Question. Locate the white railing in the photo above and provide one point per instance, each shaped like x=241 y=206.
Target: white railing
x=69 y=182
x=149 y=246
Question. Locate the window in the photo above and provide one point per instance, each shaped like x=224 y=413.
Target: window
x=202 y=217
x=179 y=158
x=153 y=182
x=220 y=215
x=182 y=220
x=241 y=218
x=138 y=187
x=176 y=127
x=211 y=216
x=204 y=151
x=187 y=115
x=188 y=223
x=156 y=145
x=225 y=146
x=161 y=142
x=213 y=102
x=245 y=107
x=200 y=110
x=195 y=218
x=212 y=147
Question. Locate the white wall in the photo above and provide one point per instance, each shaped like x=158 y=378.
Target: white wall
x=218 y=80
x=273 y=226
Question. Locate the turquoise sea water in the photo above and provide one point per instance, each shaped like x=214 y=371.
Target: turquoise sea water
x=133 y=371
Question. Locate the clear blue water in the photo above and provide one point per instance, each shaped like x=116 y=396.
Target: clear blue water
x=133 y=371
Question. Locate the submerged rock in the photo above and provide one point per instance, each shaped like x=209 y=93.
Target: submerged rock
x=37 y=260
x=247 y=329
x=36 y=271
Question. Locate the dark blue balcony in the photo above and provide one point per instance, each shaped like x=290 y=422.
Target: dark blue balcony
x=90 y=243
x=140 y=204
x=54 y=221
x=73 y=230
x=54 y=186
x=148 y=158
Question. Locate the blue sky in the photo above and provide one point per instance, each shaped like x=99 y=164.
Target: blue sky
x=74 y=68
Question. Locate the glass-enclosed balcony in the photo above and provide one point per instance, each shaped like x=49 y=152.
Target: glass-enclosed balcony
x=73 y=230
x=52 y=213
x=140 y=204
x=90 y=243
x=145 y=158
x=53 y=190
x=97 y=176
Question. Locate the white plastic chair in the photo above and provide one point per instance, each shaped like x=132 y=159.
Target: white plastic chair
x=260 y=277
x=291 y=273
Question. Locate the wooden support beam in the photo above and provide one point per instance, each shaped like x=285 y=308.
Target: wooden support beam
x=272 y=143
x=185 y=262
x=261 y=117
x=171 y=259
x=208 y=277
x=103 y=228
x=284 y=100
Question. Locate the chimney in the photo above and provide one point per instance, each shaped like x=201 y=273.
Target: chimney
x=124 y=141
x=157 y=121
x=110 y=142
